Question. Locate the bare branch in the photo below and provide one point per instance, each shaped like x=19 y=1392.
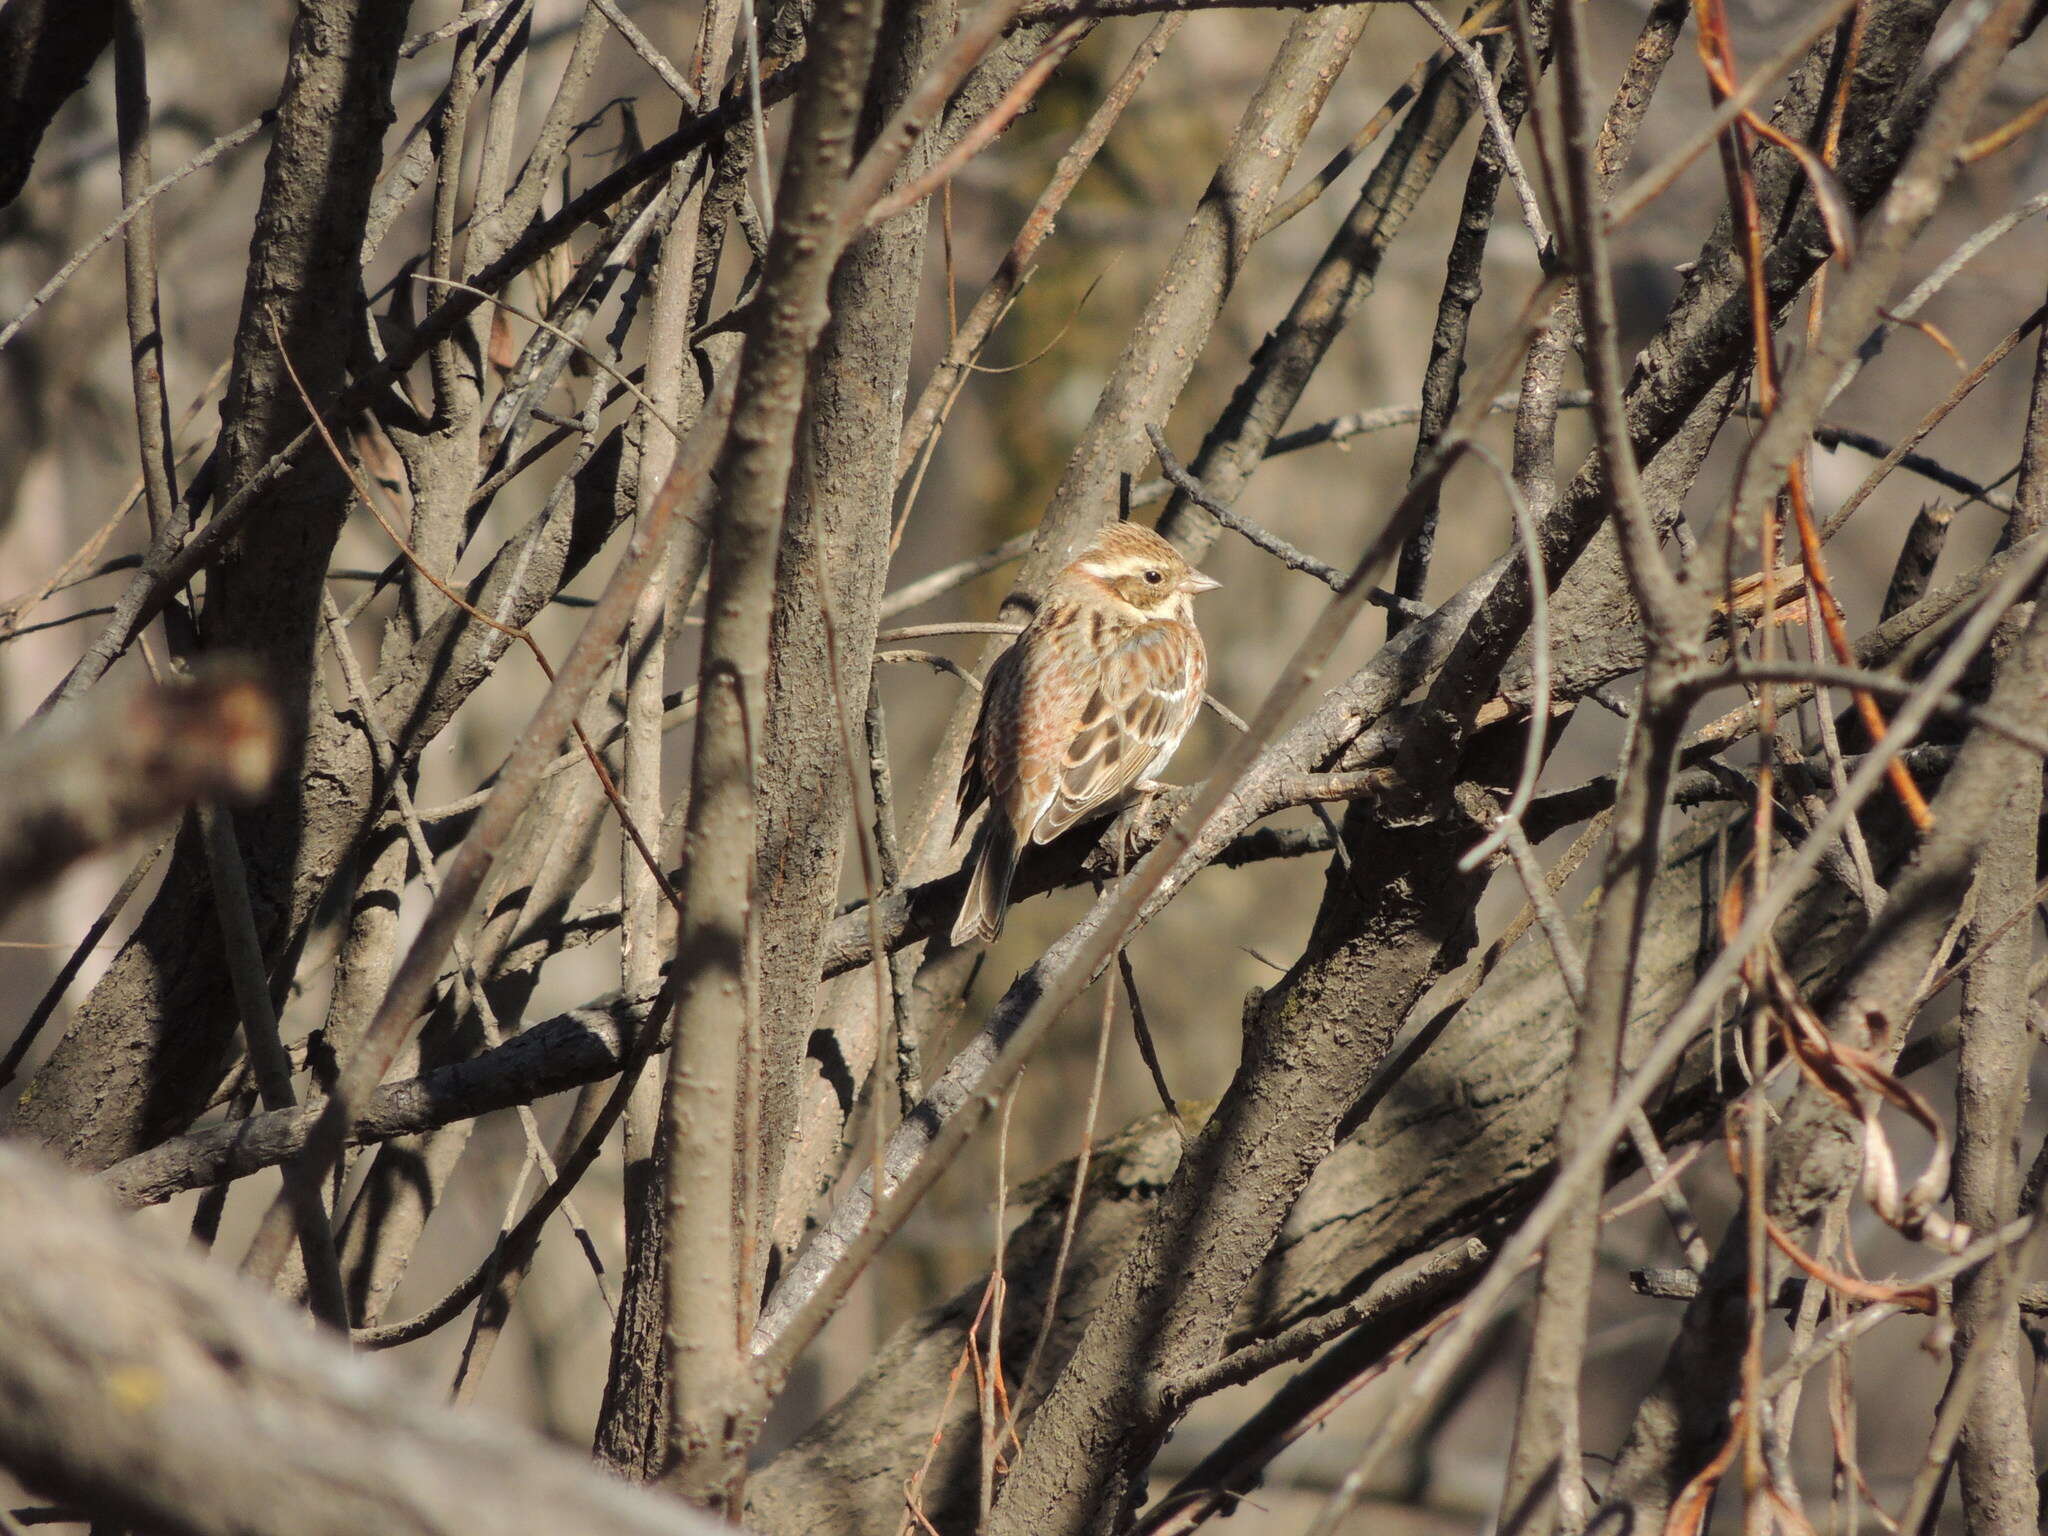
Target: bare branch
x=246 y=1421
x=1271 y=543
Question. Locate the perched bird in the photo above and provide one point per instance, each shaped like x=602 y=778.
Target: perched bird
x=1084 y=709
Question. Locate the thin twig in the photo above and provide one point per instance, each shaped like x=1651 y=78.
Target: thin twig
x=1742 y=672
x=1676 y=1035
x=1294 y=559
x=889 y=853
x=915 y=594
x=1481 y=80
x=1147 y=1048
x=1828 y=435
x=1933 y=418
x=1341 y=429
x=1868 y=889
x=921 y=425
x=81 y=952
x=757 y=118
x=139 y=266
x=650 y=55
x=985 y=131
x=470 y=990
x=133 y=209
x=1537 y=743
x=1475 y=22
x=1076 y=1192
x=271 y=1067
x=1653 y=183
x=932 y=659
x=958 y=627
x=68 y=575
x=597 y=359
x=414 y=981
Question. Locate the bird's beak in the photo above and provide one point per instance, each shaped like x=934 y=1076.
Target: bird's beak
x=1195 y=581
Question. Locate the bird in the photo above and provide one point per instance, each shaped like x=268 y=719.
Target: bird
x=1085 y=708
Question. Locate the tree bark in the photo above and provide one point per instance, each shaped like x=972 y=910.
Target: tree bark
x=150 y=1044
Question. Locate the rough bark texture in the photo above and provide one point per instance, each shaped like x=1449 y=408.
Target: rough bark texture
x=97 y=1099
x=715 y=974
x=1458 y=1143
x=145 y=1382
x=1995 y=1456
x=47 y=48
x=1408 y=1132
x=1311 y=1045
x=149 y=1046
x=836 y=531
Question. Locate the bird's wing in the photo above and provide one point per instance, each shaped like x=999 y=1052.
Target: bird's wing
x=985 y=769
x=1143 y=696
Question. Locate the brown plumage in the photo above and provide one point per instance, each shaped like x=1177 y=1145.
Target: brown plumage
x=1087 y=706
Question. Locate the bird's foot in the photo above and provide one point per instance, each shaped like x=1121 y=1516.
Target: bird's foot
x=1131 y=844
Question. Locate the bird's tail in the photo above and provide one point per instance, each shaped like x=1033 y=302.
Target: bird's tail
x=988 y=893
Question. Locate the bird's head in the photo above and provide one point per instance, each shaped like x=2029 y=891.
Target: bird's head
x=1142 y=569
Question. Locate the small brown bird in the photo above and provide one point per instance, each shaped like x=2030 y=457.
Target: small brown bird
x=1085 y=708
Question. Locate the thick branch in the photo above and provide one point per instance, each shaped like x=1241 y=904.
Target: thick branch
x=47 y=48
x=1463 y=1140
x=1995 y=1458
x=147 y=1387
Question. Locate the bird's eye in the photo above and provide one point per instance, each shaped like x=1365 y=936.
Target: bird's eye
x=1153 y=578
